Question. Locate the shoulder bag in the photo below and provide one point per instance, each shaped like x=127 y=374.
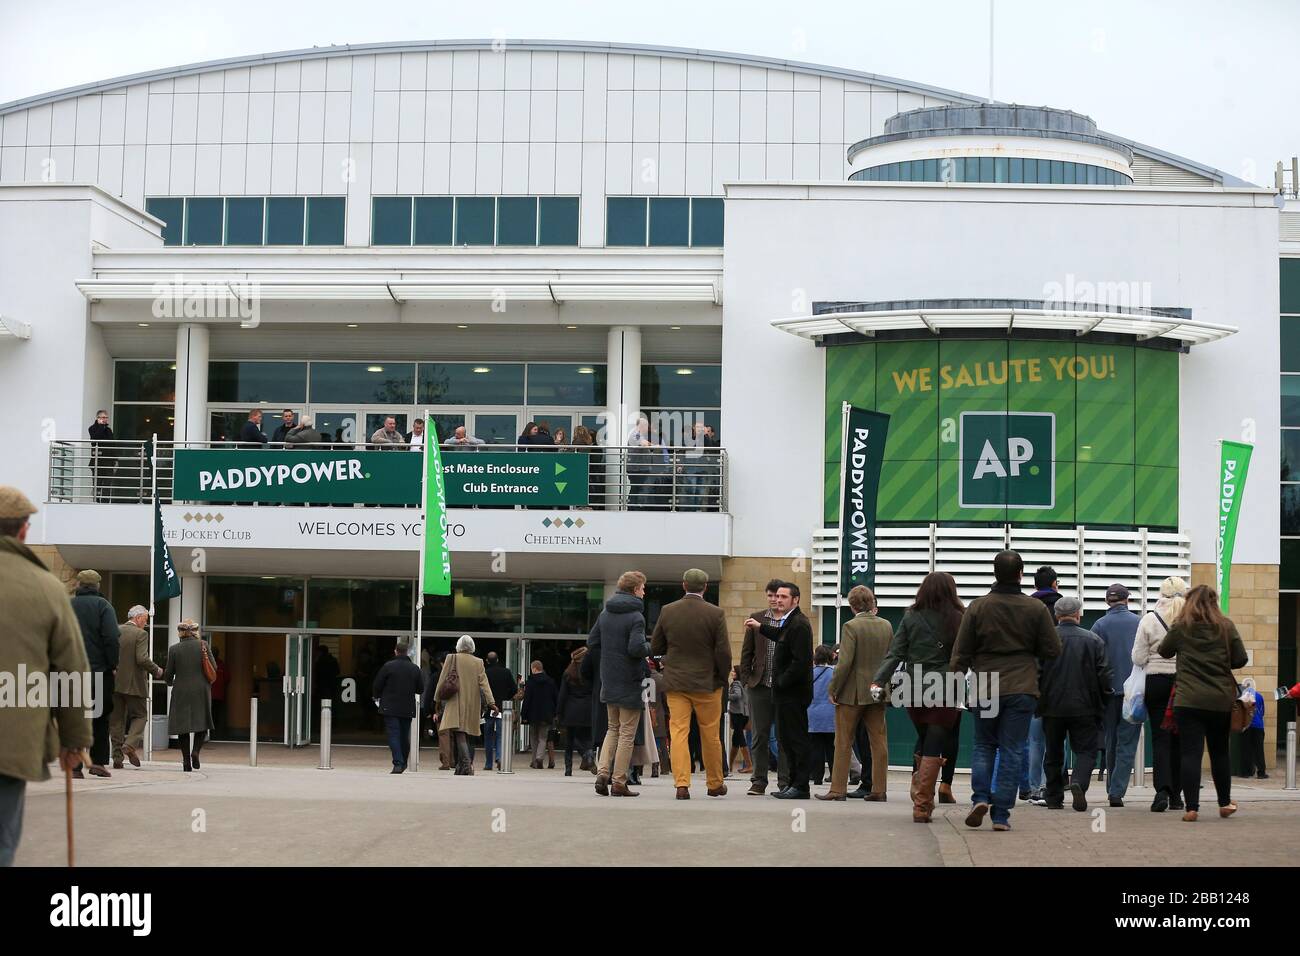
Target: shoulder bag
x=451 y=686
x=1243 y=711
x=209 y=669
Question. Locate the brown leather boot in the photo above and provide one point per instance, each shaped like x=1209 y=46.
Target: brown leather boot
x=945 y=793
x=620 y=790
x=923 y=789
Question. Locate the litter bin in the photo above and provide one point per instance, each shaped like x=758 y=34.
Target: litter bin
x=160 y=732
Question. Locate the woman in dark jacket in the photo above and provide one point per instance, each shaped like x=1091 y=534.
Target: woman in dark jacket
x=1208 y=648
x=924 y=640
x=575 y=712
x=191 y=704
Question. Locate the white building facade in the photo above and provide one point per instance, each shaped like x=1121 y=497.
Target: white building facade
x=580 y=234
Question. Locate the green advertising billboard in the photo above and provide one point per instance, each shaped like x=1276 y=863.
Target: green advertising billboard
x=377 y=477
x=1006 y=430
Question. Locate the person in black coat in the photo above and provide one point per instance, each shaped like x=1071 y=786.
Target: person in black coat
x=504 y=688
x=103 y=463
x=574 y=708
x=396 y=686
x=251 y=433
x=102 y=638
x=792 y=685
x=1073 y=690
x=590 y=671
x=540 y=699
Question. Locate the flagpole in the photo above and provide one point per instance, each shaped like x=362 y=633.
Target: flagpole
x=153 y=534
x=839 y=548
x=419 y=584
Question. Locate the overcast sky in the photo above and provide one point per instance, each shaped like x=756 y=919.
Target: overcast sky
x=1205 y=79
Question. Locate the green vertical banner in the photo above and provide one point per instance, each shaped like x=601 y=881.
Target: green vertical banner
x=436 y=560
x=167 y=583
x=1234 y=461
x=864 y=452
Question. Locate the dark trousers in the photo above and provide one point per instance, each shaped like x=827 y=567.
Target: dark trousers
x=1083 y=744
x=1252 y=752
x=934 y=740
x=792 y=737
x=99 y=748
x=1197 y=731
x=1110 y=721
x=822 y=750
x=579 y=739
x=1166 y=758
x=762 y=714
x=399 y=739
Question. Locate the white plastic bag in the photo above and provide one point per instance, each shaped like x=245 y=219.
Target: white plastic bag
x=1135 y=687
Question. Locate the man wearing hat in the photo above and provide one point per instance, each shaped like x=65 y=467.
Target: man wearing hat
x=1117 y=628
x=40 y=635
x=131 y=688
x=691 y=636
x=101 y=635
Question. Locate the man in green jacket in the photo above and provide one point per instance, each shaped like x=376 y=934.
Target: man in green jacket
x=864 y=641
x=42 y=638
x=131 y=688
x=1003 y=636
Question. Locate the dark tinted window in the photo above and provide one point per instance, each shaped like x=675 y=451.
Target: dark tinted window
x=244 y=221
x=363 y=383
x=325 y=220
x=558 y=221
x=203 y=222
x=277 y=383
x=144 y=381
x=562 y=384
x=517 y=221
x=284 y=220
x=171 y=212
x=390 y=221
x=433 y=216
x=670 y=222
x=625 y=221
x=471 y=383
x=475 y=217
x=706 y=222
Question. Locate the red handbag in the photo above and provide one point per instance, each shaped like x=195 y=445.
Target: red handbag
x=1169 y=723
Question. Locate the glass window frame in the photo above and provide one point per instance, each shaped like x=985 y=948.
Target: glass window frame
x=320 y=202
x=559 y=211
x=189 y=219
x=173 y=233
x=465 y=205
x=239 y=201
x=300 y=215
x=628 y=203
x=393 y=203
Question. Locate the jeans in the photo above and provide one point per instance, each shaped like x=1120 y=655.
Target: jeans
x=399 y=739
x=1124 y=749
x=492 y=740
x=1003 y=738
x=12 y=792
x=1037 y=747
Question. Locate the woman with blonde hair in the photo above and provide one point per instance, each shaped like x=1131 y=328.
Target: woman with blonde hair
x=1152 y=629
x=1209 y=649
x=462 y=714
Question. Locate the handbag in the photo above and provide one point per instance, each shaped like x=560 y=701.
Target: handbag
x=451 y=685
x=1243 y=710
x=209 y=669
x=1169 y=723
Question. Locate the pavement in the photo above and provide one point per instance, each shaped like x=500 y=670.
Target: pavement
x=285 y=812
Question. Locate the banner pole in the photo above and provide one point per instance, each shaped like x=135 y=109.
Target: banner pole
x=153 y=535
x=839 y=544
x=419 y=603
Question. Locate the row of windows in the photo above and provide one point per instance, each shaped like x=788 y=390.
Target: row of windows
x=992 y=169
x=668 y=221
x=250 y=220
x=662 y=221
x=424 y=383
x=474 y=221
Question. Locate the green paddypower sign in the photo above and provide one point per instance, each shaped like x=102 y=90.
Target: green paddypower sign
x=1007 y=460
x=378 y=477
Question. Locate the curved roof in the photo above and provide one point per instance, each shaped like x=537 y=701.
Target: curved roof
x=565 y=46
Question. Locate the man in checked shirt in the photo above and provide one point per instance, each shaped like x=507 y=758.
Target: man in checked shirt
x=755 y=672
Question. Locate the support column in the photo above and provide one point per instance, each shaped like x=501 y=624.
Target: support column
x=622 y=407
x=191 y=384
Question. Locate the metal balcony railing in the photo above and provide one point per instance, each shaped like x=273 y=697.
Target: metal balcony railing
x=659 y=478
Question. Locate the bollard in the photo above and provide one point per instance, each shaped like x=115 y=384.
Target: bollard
x=326 y=734
x=413 y=761
x=1290 y=755
x=507 y=738
x=252 y=732
x=1140 y=758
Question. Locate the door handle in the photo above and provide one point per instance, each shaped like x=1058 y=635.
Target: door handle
x=286 y=686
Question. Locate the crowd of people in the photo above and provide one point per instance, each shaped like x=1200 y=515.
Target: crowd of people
x=629 y=700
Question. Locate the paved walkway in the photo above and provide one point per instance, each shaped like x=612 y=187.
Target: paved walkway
x=357 y=814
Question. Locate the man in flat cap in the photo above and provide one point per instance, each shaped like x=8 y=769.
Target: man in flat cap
x=691 y=635
x=131 y=688
x=40 y=635
x=101 y=635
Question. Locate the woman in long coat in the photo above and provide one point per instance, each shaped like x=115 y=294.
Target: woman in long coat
x=574 y=710
x=191 y=704
x=462 y=713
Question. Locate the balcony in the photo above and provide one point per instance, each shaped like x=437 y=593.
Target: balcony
x=658 y=510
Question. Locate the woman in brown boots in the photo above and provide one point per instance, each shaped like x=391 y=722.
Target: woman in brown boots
x=923 y=645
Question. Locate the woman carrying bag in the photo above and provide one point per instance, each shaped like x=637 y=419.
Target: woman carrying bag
x=463 y=689
x=189 y=663
x=1208 y=648
x=1167 y=762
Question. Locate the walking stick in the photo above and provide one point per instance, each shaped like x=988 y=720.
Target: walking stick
x=67 y=793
